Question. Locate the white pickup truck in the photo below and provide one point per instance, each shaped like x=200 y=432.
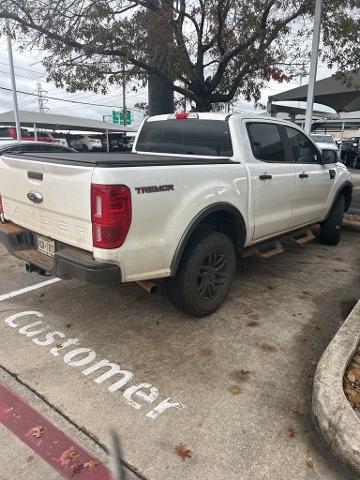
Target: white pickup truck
x=197 y=189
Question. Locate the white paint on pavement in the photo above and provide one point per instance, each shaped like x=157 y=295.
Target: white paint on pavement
x=145 y=393
x=31 y=288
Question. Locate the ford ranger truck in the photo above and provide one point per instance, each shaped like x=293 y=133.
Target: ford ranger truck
x=197 y=190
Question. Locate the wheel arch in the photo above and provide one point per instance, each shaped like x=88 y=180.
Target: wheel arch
x=222 y=217
x=346 y=190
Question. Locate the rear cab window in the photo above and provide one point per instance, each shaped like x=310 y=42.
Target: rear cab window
x=191 y=136
x=266 y=142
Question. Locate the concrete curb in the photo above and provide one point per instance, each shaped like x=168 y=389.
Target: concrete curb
x=334 y=416
x=351 y=226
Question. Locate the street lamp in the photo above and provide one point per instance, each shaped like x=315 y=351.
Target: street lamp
x=13 y=85
x=313 y=66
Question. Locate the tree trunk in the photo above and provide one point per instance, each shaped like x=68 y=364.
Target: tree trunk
x=160 y=96
x=204 y=106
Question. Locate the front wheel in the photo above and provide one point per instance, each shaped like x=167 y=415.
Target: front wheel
x=204 y=276
x=331 y=228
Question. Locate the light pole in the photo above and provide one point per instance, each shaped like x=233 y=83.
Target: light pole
x=13 y=86
x=313 y=66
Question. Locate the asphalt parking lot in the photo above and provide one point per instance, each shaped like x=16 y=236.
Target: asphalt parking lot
x=231 y=392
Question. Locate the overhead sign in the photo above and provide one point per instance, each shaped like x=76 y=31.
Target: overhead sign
x=118 y=117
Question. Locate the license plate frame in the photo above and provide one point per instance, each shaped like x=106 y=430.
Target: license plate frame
x=45 y=245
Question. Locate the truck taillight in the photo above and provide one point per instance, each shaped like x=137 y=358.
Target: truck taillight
x=110 y=214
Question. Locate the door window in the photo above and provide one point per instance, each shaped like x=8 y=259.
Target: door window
x=303 y=150
x=266 y=142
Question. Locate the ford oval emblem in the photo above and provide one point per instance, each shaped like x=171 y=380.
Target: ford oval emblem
x=35 y=197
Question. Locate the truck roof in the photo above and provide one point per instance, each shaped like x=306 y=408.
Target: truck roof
x=221 y=116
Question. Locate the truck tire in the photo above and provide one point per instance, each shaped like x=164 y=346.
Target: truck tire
x=205 y=274
x=331 y=227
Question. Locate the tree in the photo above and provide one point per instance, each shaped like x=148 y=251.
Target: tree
x=210 y=51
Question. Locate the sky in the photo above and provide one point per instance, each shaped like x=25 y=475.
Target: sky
x=29 y=72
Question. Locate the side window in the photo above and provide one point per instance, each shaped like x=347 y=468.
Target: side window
x=302 y=149
x=266 y=142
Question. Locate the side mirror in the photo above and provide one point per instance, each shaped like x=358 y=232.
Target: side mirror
x=329 y=156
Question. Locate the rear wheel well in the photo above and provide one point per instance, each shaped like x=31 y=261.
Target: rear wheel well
x=227 y=221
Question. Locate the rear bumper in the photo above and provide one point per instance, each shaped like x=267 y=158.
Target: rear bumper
x=68 y=262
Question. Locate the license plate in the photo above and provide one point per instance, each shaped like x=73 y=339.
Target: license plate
x=46 y=245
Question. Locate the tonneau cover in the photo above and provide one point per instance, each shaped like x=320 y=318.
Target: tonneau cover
x=116 y=159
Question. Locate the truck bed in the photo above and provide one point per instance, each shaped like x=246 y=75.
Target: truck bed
x=108 y=160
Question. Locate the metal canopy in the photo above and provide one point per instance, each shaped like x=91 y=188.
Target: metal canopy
x=342 y=97
x=336 y=125
x=60 y=122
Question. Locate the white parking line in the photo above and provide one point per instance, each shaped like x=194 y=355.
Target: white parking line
x=15 y=293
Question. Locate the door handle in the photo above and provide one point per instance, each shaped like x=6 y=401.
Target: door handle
x=303 y=175
x=265 y=176
x=332 y=174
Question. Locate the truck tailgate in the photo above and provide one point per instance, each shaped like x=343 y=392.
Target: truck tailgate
x=64 y=211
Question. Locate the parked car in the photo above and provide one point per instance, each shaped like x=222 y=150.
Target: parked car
x=34 y=147
x=350 y=154
x=59 y=138
x=199 y=189
x=85 y=143
x=117 y=142
x=88 y=144
x=325 y=141
x=8 y=134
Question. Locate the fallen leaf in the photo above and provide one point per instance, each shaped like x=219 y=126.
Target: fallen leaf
x=234 y=389
x=182 y=451
x=292 y=432
x=69 y=456
x=310 y=463
x=91 y=464
x=307 y=450
x=205 y=352
x=351 y=376
x=37 y=432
